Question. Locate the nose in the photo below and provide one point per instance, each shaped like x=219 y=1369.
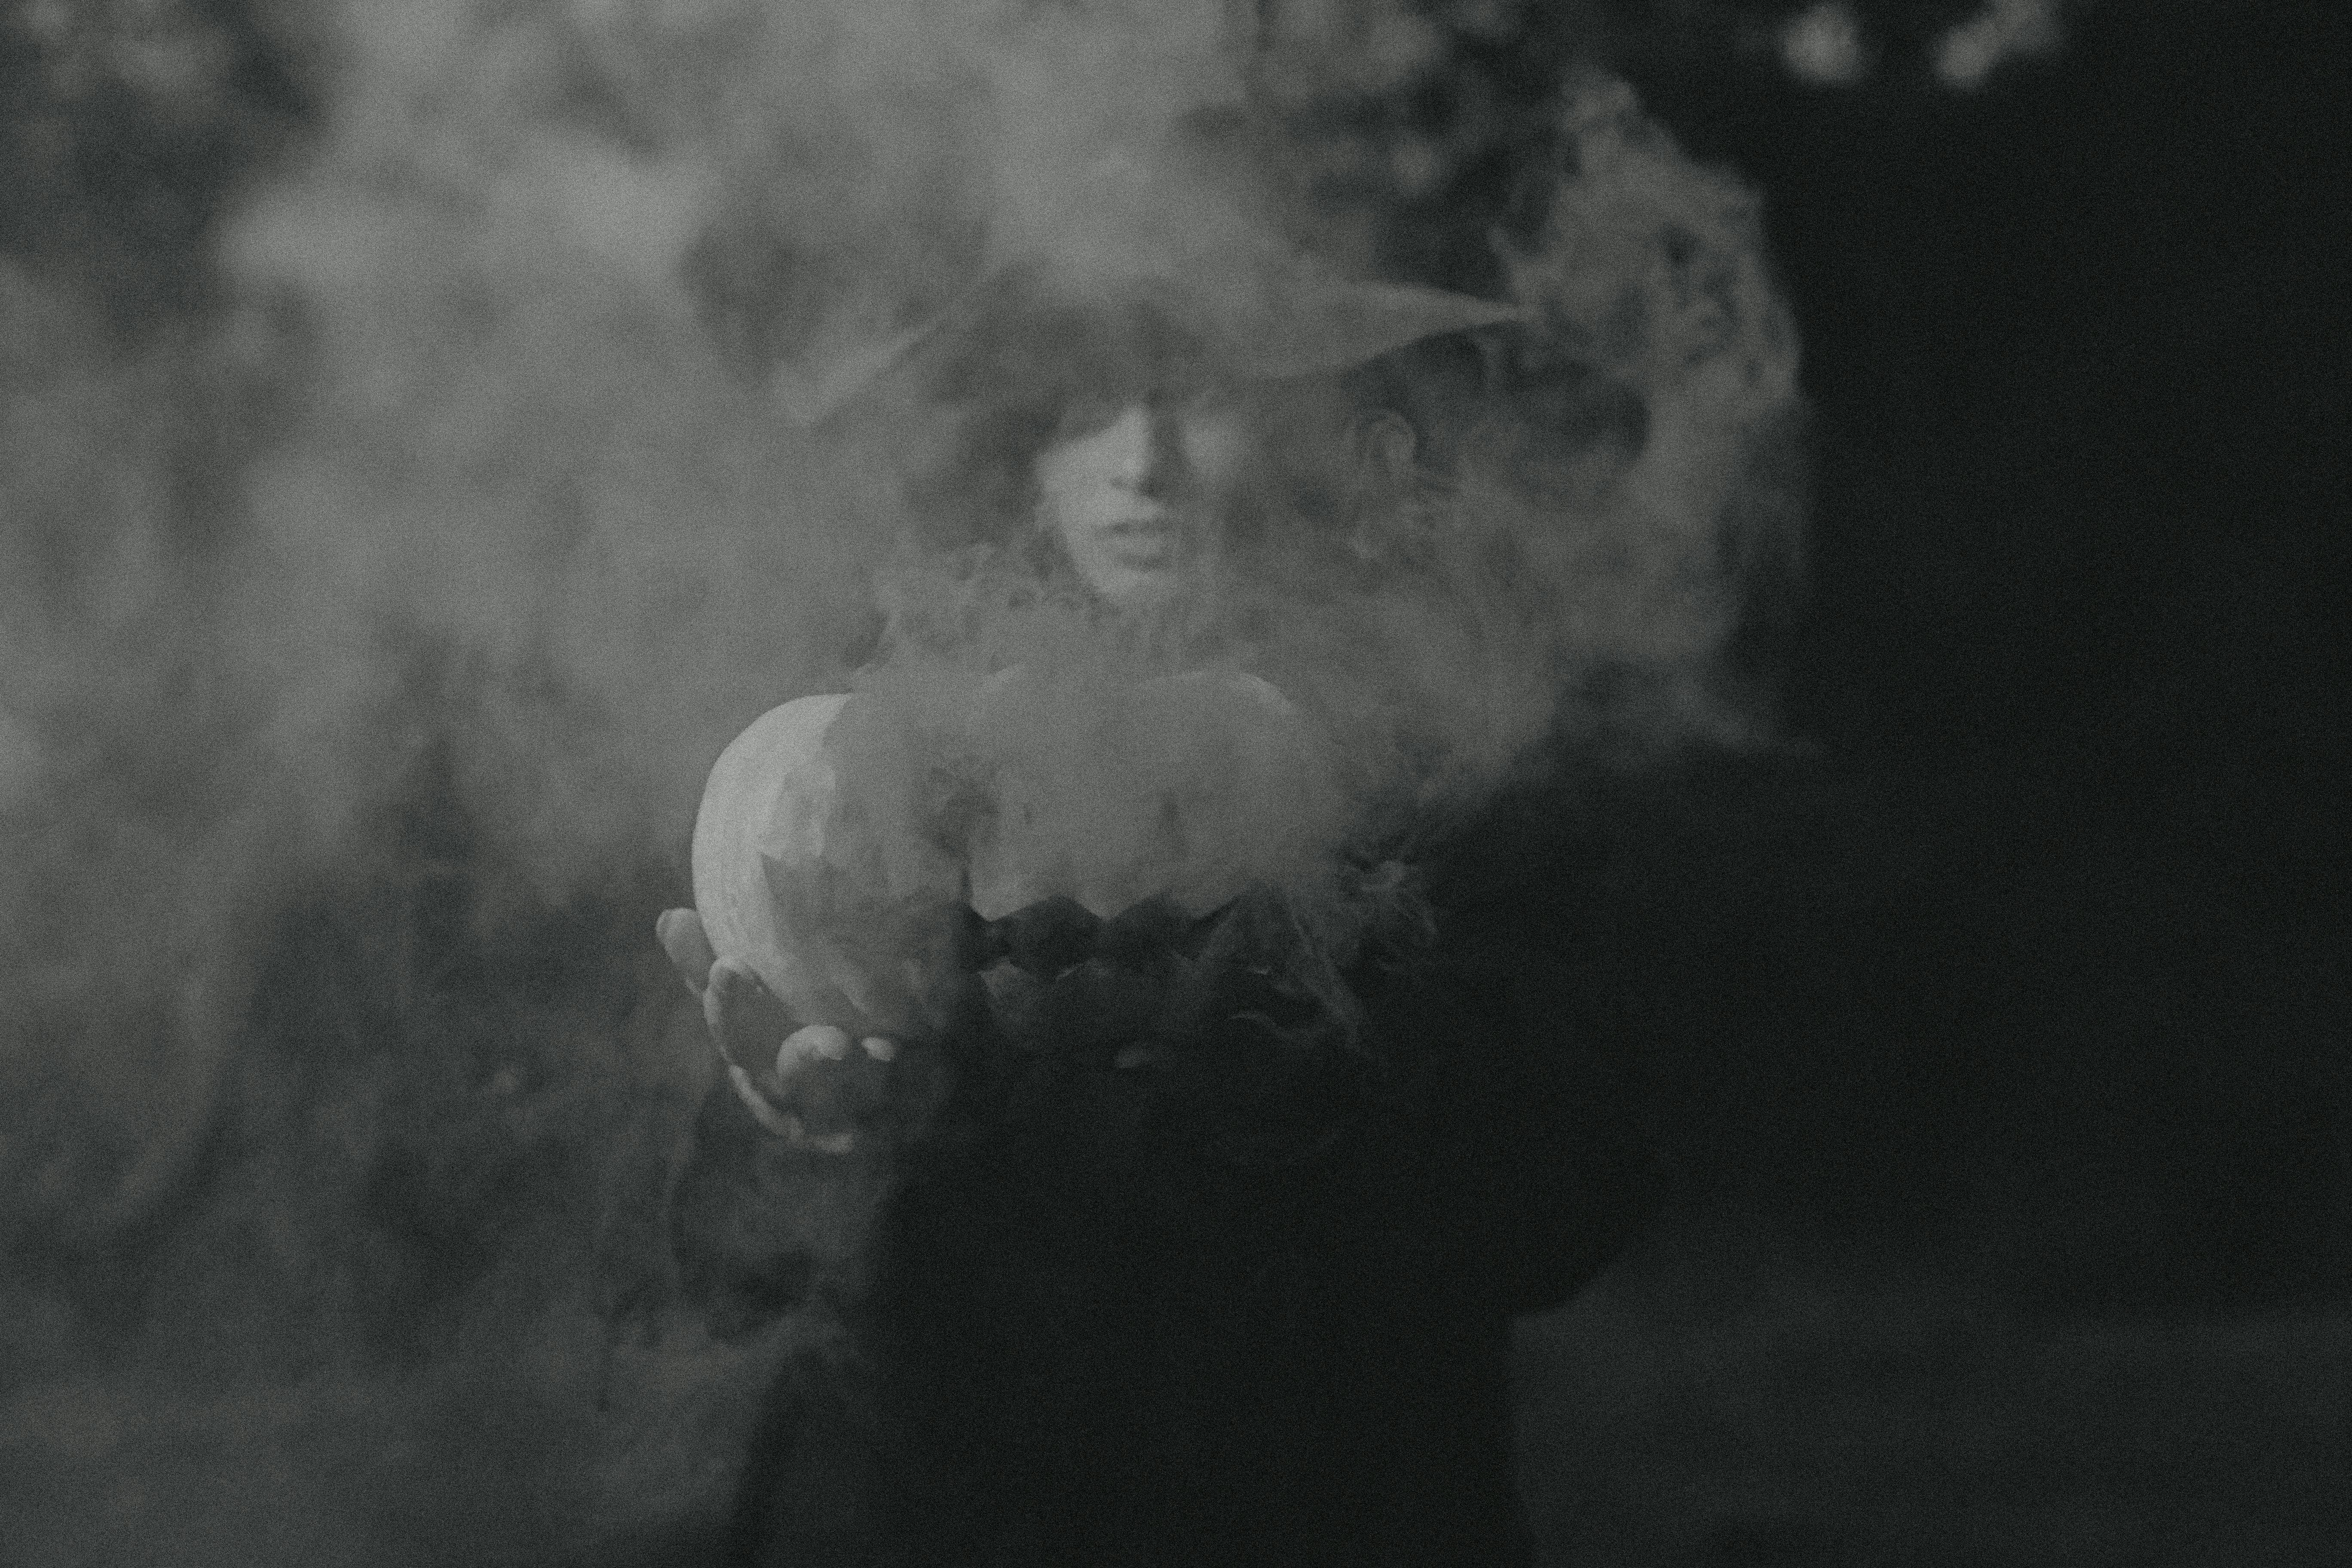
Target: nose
x=1150 y=451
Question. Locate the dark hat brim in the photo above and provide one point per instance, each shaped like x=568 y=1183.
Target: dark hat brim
x=1265 y=319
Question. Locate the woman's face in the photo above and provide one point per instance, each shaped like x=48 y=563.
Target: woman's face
x=1137 y=493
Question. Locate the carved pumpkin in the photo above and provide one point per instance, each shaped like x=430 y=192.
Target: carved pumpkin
x=820 y=858
x=814 y=864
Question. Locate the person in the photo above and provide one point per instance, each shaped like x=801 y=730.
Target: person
x=1197 y=1236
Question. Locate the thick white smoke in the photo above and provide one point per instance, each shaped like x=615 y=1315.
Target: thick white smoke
x=522 y=506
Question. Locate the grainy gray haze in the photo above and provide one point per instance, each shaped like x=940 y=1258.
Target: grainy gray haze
x=523 y=513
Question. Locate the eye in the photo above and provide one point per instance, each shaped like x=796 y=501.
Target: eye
x=1085 y=414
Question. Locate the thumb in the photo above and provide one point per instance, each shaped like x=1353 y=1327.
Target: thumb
x=682 y=937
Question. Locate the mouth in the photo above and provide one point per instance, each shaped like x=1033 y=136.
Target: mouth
x=1145 y=539
x=1154 y=521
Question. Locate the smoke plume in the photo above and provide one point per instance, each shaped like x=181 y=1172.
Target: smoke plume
x=367 y=640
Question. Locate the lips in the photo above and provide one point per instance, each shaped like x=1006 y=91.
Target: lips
x=1139 y=538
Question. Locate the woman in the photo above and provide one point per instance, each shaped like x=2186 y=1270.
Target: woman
x=1196 y=1237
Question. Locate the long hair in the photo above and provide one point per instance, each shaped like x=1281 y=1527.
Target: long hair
x=1022 y=365
x=979 y=577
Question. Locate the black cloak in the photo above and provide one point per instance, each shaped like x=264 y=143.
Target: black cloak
x=1186 y=1275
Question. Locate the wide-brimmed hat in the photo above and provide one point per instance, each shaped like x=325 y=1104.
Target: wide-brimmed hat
x=1217 y=287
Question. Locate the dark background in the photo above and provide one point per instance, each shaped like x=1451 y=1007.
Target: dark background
x=2033 y=971
x=2075 y=626
x=2019 y=998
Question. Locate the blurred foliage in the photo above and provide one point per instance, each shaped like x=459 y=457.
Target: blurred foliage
x=357 y=395
x=306 y=458
x=128 y=124
x=125 y=125
x=470 y=200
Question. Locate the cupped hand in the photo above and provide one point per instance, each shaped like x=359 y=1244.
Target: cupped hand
x=810 y=1084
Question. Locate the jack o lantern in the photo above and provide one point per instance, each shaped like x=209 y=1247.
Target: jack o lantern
x=814 y=864
x=821 y=858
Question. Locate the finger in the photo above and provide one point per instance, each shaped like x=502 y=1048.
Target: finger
x=784 y=1124
x=743 y=1016
x=802 y=1063
x=762 y=1109
x=688 y=944
x=801 y=1138
x=828 y=1083
x=805 y=1050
